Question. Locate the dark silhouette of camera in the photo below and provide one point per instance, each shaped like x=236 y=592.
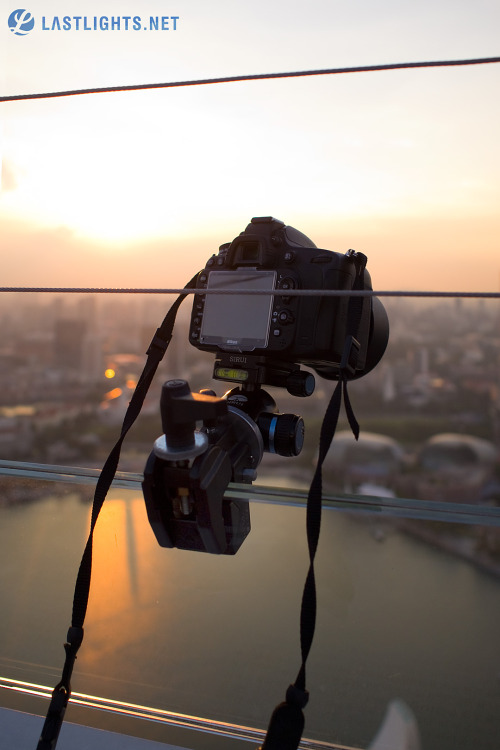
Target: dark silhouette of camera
x=267 y=336
x=247 y=313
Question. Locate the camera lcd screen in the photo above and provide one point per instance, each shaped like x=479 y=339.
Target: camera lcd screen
x=238 y=322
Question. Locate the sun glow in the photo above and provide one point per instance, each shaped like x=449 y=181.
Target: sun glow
x=122 y=168
x=105 y=174
x=111 y=188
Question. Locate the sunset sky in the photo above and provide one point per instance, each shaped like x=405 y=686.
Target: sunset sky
x=139 y=188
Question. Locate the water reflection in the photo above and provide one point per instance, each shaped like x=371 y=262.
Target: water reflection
x=219 y=636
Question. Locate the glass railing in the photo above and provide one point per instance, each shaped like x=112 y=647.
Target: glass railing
x=195 y=650
x=181 y=646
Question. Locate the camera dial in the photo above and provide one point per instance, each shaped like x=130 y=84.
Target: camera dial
x=283 y=434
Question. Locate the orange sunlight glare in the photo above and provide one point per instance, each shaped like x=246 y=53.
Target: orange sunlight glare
x=133 y=185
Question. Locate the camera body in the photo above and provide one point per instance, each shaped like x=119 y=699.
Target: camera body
x=247 y=312
x=282 y=328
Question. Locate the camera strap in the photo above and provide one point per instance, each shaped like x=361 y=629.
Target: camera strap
x=62 y=691
x=287 y=720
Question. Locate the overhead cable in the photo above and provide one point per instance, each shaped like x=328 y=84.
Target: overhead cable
x=263 y=292
x=254 y=77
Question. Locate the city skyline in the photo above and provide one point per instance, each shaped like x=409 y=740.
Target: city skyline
x=139 y=188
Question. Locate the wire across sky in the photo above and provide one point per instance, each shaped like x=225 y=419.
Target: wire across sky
x=256 y=77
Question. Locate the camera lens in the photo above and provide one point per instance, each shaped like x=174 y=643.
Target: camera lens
x=282 y=433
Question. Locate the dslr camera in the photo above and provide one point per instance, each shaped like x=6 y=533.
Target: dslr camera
x=247 y=311
x=264 y=338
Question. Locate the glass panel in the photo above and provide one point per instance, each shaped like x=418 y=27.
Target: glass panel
x=429 y=412
x=409 y=556
x=217 y=636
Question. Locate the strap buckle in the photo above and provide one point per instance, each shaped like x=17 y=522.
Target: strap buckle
x=350 y=355
x=158 y=344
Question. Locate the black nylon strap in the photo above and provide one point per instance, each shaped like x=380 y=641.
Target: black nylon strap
x=287 y=721
x=313 y=523
x=62 y=691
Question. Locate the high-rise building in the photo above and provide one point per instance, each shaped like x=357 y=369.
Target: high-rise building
x=69 y=338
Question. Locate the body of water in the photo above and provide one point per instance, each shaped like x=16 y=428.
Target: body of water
x=218 y=637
